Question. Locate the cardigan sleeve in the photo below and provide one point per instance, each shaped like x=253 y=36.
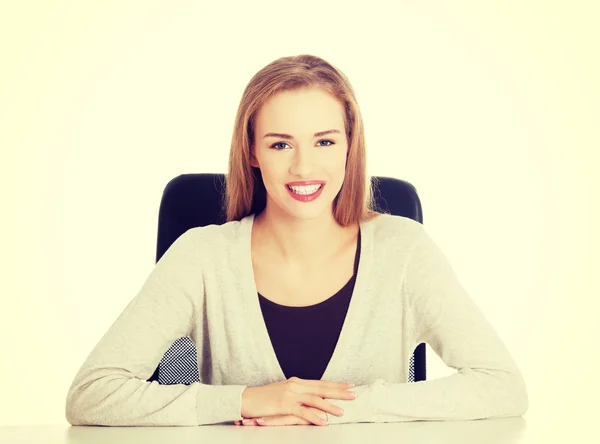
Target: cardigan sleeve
x=111 y=387
x=487 y=383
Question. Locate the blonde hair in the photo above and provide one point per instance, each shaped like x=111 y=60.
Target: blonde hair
x=245 y=189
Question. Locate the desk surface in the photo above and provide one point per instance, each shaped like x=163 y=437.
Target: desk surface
x=505 y=431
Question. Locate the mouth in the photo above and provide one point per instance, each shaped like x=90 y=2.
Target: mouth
x=305 y=190
x=307 y=193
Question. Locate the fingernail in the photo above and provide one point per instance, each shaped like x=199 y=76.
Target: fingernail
x=351 y=385
x=260 y=421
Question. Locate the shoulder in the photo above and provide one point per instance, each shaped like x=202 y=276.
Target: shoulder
x=207 y=236
x=396 y=229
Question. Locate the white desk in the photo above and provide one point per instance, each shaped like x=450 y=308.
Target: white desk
x=505 y=431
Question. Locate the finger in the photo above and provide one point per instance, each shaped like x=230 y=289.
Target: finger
x=327 y=384
x=274 y=421
x=331 y=390
x=281 y=421
x=319 y=403
x=336 y=394
x=309 y=415
x=249 y=422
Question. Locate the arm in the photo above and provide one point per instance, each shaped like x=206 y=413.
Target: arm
x=110 y=388
x=488 y=383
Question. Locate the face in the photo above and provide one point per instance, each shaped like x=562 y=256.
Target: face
x=298 y=152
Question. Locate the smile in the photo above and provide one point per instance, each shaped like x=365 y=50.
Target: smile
x=306 y=193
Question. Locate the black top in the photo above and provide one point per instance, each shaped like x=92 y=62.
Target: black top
x=304 y=338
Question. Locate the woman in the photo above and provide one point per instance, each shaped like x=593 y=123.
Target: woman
x=291 y=307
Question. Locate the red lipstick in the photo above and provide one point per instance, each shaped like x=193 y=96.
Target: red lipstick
x=305 y=183
x=306 y=197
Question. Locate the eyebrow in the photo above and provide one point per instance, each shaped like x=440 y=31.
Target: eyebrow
x=287 y=136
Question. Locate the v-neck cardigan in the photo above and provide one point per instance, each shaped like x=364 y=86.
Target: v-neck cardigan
x=405 y=293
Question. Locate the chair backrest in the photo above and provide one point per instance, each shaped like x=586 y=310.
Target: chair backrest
x=196 y=200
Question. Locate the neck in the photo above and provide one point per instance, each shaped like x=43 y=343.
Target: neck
x=301 y=242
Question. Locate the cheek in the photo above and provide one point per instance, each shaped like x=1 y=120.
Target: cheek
x=336 y=161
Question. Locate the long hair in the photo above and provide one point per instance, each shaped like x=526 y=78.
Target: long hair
x=245 y=189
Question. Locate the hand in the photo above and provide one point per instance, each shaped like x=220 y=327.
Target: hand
x=280 y=420
x=292 y=397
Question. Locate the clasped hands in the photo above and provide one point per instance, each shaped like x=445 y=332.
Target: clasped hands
x=294 y=401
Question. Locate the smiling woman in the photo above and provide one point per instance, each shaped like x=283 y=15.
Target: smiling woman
x=305 y=158
x=302 y=292
x=289 y=107
x=299 y=147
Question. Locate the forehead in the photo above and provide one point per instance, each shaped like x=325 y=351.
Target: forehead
x=304 y=110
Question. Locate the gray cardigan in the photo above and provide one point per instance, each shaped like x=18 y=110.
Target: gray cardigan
x=405 y=293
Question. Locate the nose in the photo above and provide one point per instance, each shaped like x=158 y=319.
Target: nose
x=301 y=164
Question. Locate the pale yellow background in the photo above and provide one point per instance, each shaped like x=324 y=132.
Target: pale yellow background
x=489 y=108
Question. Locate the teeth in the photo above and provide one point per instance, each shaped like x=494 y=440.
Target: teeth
x=305 y=190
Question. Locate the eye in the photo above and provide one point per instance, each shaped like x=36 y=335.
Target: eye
x=331 y=142
x=275 y=145
x=278 y=143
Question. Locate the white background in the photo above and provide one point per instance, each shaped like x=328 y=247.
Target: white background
x=489 y=108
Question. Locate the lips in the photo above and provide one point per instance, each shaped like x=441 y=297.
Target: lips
x=306 y=183
x=306 y=197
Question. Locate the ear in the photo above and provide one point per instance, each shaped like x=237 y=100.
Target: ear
x=253 y=161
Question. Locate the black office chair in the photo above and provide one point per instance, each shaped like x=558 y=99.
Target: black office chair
x=195 y=200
